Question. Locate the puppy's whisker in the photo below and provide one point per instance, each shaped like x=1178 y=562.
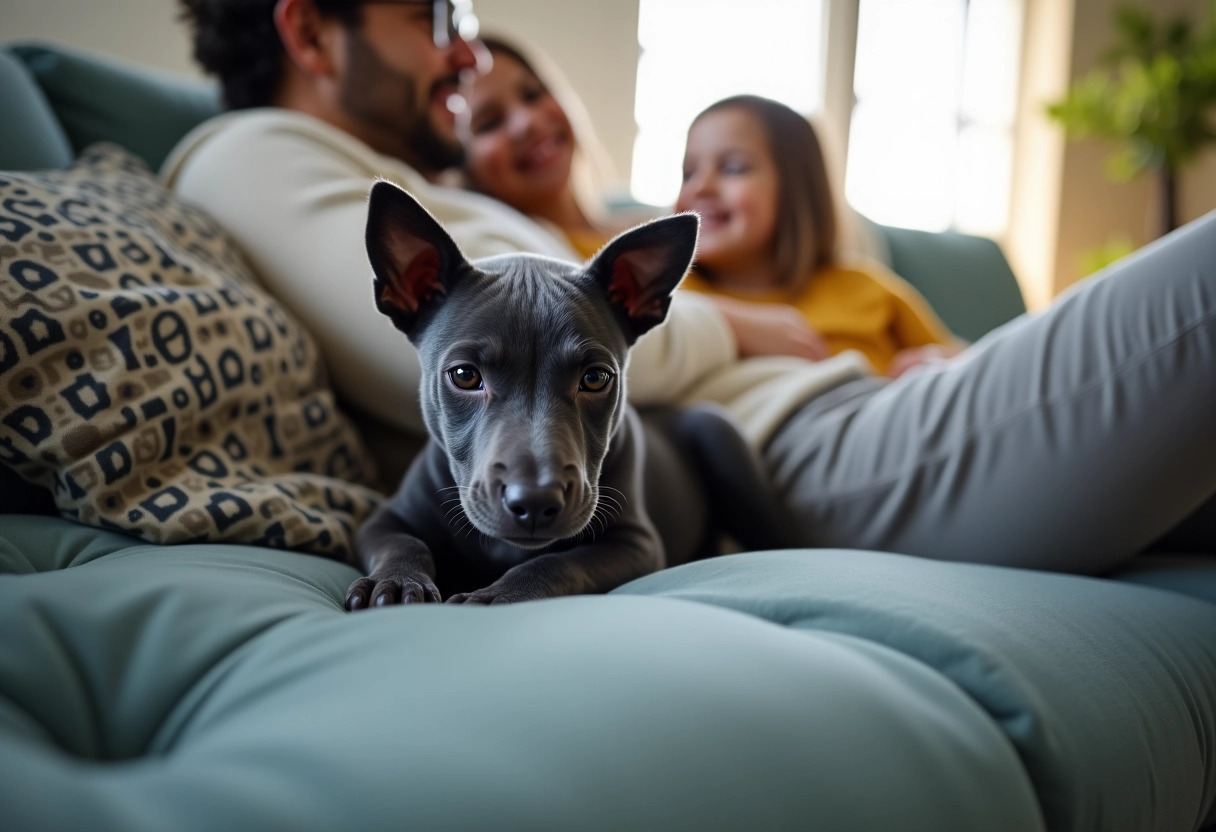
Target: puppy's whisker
x=598 y=513
x=608 y=498
x=611 y=507
x=598 y=517
x=608 y=504
x=623 y=495
x=456 y=515
x=587 y=531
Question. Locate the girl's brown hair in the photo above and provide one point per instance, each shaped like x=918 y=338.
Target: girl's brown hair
x=807 y=231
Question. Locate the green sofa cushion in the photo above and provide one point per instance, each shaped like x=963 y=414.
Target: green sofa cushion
x=30 y=135
x=207 y=687
x=965 y=278
x=1193 y=575
x=1107 y=690
x=212 y=686
x=101 y=99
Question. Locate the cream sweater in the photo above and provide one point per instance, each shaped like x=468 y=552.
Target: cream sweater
x=292 y=191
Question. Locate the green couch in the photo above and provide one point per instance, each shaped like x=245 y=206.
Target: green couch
x=207 y=686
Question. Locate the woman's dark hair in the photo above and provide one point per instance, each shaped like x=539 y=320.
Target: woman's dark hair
x=236 y=41
x=495 y=44
x=807 y=224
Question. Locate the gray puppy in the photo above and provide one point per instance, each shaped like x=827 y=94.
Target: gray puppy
x=537 y=477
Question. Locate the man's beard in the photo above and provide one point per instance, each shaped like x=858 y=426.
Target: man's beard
x=434 y=150
x=372 y=91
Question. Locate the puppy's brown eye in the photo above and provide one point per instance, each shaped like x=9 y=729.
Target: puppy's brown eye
x=595 y=381
x=466 y=377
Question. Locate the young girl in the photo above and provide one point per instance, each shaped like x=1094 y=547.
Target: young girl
x=754 y=171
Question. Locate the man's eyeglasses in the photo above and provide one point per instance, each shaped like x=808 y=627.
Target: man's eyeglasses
x=453 y=19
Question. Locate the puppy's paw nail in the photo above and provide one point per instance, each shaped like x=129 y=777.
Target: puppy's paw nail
x=381 y=600
x=354 y=602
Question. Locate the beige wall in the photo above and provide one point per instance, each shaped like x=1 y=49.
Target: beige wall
x=1038 y=163
x=144 y=31
x=1064 y=204
x=1198 y=188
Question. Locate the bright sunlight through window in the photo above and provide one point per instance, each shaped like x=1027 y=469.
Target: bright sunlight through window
x=931 y=139
x=695 y=52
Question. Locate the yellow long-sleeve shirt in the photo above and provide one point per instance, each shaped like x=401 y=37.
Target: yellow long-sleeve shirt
x=861 y=306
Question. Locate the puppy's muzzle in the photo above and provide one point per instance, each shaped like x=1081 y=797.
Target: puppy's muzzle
x=531 y=509
x=534 y=507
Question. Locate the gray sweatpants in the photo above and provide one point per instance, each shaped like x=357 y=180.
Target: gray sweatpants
x=1067 y=440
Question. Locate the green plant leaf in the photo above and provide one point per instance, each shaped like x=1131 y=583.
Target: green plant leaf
x=1178 y=36
x=1135 y=28
x=1153 y=93
x=1126 y=163
x=1116 y=247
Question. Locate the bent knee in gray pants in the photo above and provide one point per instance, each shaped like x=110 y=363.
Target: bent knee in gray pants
x=1065 y=440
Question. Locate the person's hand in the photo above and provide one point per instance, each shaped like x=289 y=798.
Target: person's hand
x=906 y=359
x=771 y=329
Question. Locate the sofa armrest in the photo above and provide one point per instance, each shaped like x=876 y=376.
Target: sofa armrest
x=99 y=99
x=966 y=278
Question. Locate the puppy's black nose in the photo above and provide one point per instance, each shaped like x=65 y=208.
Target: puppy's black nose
x=534 y=506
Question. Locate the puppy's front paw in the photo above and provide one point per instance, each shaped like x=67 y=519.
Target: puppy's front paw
x=381 y=590
x=499 y=594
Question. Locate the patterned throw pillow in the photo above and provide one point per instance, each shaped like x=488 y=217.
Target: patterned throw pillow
x=149 y=383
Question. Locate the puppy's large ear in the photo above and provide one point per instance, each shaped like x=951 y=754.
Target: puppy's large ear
x=640 y=268
x=414 y=259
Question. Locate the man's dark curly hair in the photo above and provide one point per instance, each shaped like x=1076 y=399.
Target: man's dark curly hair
x=236 y=41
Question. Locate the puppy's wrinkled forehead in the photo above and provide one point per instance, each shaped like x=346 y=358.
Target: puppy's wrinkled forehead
x=526 y=301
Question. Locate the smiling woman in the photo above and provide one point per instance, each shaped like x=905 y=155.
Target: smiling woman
x=519 y=140
x=528 y=142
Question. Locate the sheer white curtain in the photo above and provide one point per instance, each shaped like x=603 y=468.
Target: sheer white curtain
x=935 y=90
x=931 y=139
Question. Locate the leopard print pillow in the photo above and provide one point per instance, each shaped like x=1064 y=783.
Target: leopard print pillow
x=148 y=382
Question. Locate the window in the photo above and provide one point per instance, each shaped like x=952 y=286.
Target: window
x=695 y=52
x=931 y=137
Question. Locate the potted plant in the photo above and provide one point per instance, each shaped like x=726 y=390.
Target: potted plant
x=1153 y=93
